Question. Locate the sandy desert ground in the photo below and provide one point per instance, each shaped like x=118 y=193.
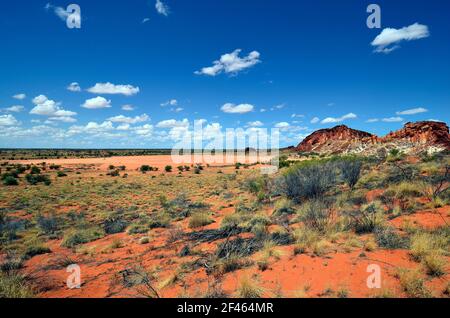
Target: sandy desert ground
x=220 y=231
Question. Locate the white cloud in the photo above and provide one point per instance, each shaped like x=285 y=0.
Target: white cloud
x=255 y=123
x=392 y=119
x=331 y=120
x=123 y=127
x=390 y=36
x=230 y=108
x=20 y=96
x=15 y=109
x=128 y=108
x=96 y=103
x=112 y=89
x=177 y=110
x=50 y=108
x=145 y=20
x=297 y=116
x=263 y=110
x=173 y=123
x=129 y=120
x=59 y=11
x=63 y=119
x=231 y=63
x=172 y=102
x=162 y=8
x=412 y=111
x=8 y=120
x=372 y=120
x=282 y=125
x=315 y=120
x=74 y=87
x=144 y=131
x=91 y=128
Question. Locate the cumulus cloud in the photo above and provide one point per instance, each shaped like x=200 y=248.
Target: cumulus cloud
x=8 y=120
x=63 y=119
x=144 y=131
x=74 y=87
x=392 y=119
x=331 y=120
x=91 y=128
x=129 y=120
x=112 y=89
x=20 y=96
x=282 y=125
x=96 y=103
x=230 y=108
x=172 y=102
x=255 y=123
x=162 y=8
x=315 y=120
x=231 y=63
x=128 y=108
x=412 y=111
x=15 y=109
x=50 y=108
x=372 y=120
x=391 y=36
x=173 y=123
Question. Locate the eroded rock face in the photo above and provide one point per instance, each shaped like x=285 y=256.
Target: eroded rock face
x=414 y=137
x=423 y=132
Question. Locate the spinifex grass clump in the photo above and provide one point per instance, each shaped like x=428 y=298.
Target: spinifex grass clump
x=310 y=181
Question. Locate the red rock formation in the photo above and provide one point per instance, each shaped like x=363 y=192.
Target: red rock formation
x=418 y=136
x=423 y=132
x=325 y=136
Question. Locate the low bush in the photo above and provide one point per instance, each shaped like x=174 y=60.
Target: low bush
x=351 y=171
x=13 y=285
x=368 y=218
x=10 y=181
x=317 y=215
x=35 y=249
x=309 y=182
x=82 y=236
x=114 y=224
x=199 y=219
x=34 y=179
x=388 y=238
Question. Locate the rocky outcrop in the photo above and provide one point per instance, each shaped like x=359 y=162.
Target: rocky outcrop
x=412 y=138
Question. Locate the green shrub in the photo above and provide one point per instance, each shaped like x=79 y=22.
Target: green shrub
x=387 y=237
x=368 y=218
x=199 y=220
x=351 y=171
x=10 y=181
x=35 y=170
x=34 y=179
x=168 y=168
x=316 y=215
x=35 y=249
x=82 y=236
x=310 y=181
x=114 y=224
x=48 y=225
x=61 y=174
x=13 y=285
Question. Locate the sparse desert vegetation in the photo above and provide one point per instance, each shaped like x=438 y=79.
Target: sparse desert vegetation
x=310 y=230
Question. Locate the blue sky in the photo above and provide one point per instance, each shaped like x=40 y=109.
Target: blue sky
x=296 y=65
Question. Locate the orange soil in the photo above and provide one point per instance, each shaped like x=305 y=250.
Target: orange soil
x=294 y=276
x=428 y=219
x=135 y=162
